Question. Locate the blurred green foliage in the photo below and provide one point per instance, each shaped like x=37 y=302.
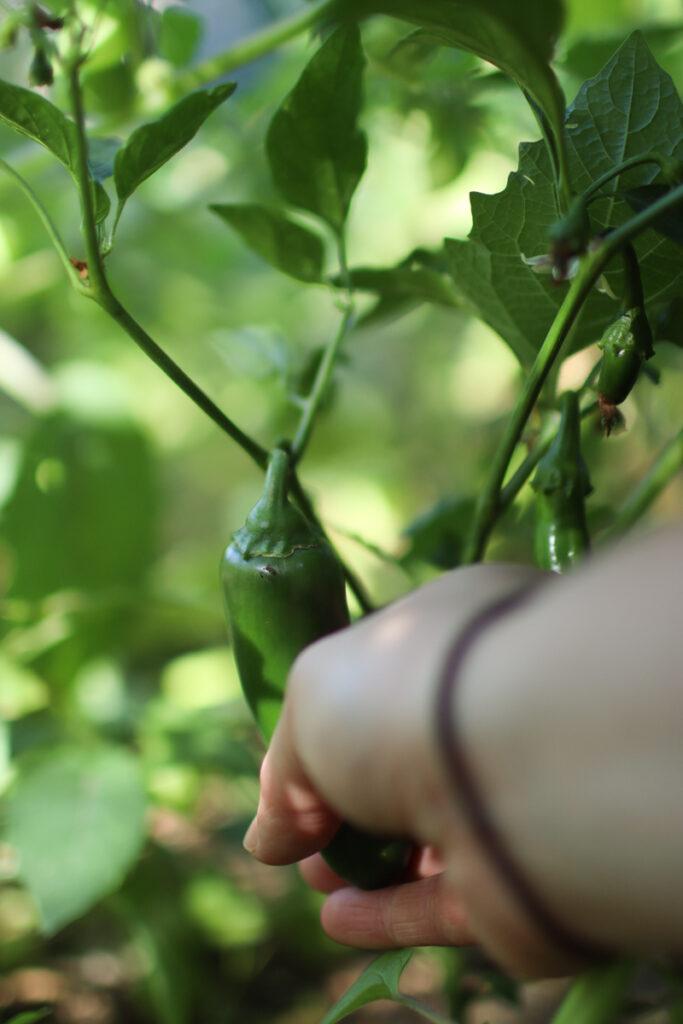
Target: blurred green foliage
x=117 y=496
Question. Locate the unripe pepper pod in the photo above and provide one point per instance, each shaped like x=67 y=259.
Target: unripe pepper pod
x=284 y=589
x=561 y=483
x=626 y=344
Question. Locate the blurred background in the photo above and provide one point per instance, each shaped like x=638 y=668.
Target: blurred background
x=117 y=496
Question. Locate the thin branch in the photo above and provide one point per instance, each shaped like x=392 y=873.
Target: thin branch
x=100 y=291
x=49 y=226
x=665 y=468
x=257 y=45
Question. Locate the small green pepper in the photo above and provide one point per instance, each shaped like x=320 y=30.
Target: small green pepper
x=626 y=344
x=40 y=71
x=284 y=588
x=561 y=484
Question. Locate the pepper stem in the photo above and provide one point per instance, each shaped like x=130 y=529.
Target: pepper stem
x=276 y=486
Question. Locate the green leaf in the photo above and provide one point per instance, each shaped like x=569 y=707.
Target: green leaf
x=438 y=535
x=519 y=38
x=179 y=36
x=82 y=514
x=152 y=145
x=630 y=108
x=316 y=152
x=273 y=235
x=30 y=1017
x=378 y=981
x=414 y=282
x=101 y=155
x=76 y=817
x=32 y=115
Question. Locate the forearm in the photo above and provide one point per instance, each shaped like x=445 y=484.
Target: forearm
x=572 y=714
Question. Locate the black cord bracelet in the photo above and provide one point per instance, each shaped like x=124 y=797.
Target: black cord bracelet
x=467 y=792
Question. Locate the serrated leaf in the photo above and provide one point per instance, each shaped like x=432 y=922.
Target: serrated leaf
x=277 y=238
x=378 y=981
x=671 y=223
x=76 y=817
x=153 y=144
x=32 y=115
x=316 y=151
x=519 y=38
x=630 y=108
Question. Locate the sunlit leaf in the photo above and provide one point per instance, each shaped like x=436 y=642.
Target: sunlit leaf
x=75 y=816
x=630 y=108
x=153 y=144
x=518 y=37
x=316 y=151
x=277 y=238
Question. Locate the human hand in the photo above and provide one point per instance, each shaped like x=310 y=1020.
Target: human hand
x=356 y=741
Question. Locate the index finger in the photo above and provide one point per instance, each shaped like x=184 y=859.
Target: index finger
x=292 y=820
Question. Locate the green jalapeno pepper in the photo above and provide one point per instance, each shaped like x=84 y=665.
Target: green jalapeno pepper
x=284 y=588
x=561 y=484
x=626 y=344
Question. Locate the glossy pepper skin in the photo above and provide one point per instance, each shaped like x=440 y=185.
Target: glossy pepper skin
x=284 y=588
x=626 y=344
x=561 y=483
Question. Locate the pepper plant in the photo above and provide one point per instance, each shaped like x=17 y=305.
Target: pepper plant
x=579 y=253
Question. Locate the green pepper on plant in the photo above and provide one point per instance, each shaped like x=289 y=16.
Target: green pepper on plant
x=562 y=483
x=284 y=588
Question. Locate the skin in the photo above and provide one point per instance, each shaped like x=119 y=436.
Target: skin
x=571 y=710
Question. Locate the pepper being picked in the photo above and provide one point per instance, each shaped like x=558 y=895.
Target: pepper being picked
x=562 y=483
x=284 y=588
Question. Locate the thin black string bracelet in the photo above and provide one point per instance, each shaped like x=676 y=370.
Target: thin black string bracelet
x=467 y=792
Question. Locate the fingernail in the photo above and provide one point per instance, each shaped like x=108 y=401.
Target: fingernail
x=250 y=841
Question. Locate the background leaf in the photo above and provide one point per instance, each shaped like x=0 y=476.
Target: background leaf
x=76 y=819
x=316 y=152
x=277 y=238
x=152 y=145
x=519 y=38
x=671 y=224
x=179 y=35
x=378 y=981
x=630 y=108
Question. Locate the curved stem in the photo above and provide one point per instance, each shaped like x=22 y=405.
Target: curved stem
x=100 y=291
x=258 y=45
x=592 y=266
x=661 y=473
x=49 y=225
x=614 y=172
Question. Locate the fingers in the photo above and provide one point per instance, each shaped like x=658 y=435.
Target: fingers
x=422 y=913
x=316 y=873
x=292 y=820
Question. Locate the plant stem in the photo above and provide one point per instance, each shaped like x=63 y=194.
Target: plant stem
x=100 y=291
x=661 y=473
x=257 y=45
x=592 y=266
x=320 y=385
x=142 y=339
x=49 y=225
x=306 y=506
x=615 y=172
